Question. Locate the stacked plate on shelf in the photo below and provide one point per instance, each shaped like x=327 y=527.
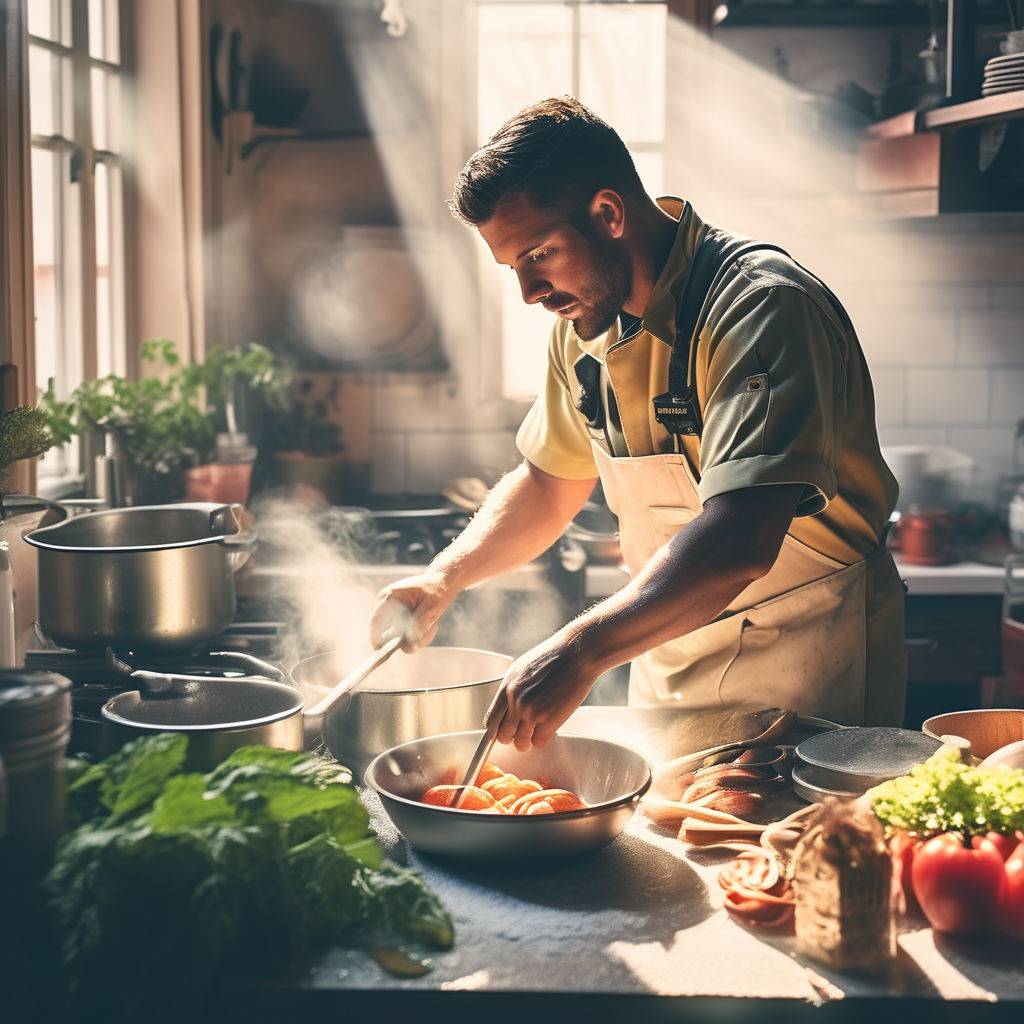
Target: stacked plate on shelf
x=1003 y=74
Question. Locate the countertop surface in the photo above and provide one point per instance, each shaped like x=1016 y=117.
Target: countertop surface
x=642 y=917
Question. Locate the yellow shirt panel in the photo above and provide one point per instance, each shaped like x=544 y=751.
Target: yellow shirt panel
x=813 y=423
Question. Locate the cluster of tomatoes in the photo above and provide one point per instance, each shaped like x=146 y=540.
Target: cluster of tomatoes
x=963 y=886
x=500 y=792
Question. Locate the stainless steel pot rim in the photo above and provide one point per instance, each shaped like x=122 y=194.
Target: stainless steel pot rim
x=417 y=689
x=33 y=539
x=586 y=812
x=36 y=538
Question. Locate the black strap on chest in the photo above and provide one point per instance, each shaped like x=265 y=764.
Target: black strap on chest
x=677 y=410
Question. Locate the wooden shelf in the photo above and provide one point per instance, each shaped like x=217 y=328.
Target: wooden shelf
x=1003 y=107
x=988 y=108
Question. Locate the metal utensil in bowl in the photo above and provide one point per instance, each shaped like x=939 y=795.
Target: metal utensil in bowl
x=435 y=690
x=608 y=777
x=154 y=579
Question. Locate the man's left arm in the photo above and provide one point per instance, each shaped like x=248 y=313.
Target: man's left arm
x=686 y=584
x=775 y=408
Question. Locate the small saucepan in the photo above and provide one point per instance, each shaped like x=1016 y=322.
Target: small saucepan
x=434 y=690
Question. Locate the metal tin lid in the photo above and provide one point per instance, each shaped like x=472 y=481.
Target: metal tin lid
x=32 y=703
x=867 y=755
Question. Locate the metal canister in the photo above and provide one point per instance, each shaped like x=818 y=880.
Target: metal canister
x=35 y=724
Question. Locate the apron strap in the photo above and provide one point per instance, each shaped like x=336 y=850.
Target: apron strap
x=677 y=410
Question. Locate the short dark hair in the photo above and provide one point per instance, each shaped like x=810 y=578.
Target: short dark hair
x=556 y=151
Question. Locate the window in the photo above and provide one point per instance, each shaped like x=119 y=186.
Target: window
x=75 y=74
x=609 y=55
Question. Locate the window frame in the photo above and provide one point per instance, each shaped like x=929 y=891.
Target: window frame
x=78 y=339
x=493 y=355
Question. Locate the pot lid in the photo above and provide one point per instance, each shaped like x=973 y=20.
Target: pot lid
x=867 y=753
x=210 y=704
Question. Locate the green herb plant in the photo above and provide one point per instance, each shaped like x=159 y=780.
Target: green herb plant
x=945 y=795
x=166 y=420
x=172 y=874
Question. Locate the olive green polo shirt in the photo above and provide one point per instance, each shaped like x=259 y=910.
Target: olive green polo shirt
x=813 y=423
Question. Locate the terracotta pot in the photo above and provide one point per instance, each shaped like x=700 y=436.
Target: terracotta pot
x=925 y=538
x=226 y=482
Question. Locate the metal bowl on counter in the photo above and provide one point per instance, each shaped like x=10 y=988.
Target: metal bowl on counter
x=608 y=777
x=435 y=690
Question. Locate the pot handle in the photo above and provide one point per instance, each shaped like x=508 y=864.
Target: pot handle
x=239 y=547
x=238 y=540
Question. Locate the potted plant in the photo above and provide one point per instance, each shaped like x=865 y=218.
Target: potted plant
x=232 y=377
x=155 y=425
x=165 y=423
x=307 y=457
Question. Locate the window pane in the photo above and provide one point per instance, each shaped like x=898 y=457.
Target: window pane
x=525 y=54
x=651 y=168
x=41 y=21
x=103 y=30
x=49 y=91
x=106 y=93
x=50 y=19
x=56 y=235
x=622 y=67
x=45 y=167
x=109 y=271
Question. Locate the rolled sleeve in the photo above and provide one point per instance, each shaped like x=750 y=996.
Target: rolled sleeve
x=775 y=409
x=553 y=435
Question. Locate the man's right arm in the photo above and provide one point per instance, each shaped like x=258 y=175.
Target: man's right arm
x=522 y=516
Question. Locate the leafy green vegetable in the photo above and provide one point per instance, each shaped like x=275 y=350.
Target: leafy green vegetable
x=945 y=795
x=129 y=780
x=254 y=865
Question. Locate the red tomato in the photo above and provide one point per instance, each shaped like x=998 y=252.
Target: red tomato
x=902 y=848
x=958 y=886
x=1011 y=902
x=1004 y=844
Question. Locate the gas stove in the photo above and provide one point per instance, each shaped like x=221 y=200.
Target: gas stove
x=245 y=648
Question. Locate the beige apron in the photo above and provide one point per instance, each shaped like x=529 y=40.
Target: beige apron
x=795 y=638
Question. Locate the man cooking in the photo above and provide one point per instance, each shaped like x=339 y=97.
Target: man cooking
x=718 y=391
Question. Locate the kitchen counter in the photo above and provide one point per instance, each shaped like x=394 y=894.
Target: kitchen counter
x=625 y=933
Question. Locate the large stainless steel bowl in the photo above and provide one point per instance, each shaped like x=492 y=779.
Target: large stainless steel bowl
x=435 y=690
x=610 y=778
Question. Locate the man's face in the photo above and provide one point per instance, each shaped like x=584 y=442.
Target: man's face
x=583 y=273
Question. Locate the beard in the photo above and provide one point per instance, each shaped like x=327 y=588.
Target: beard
x=611 y=281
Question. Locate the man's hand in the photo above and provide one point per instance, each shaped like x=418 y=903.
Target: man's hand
x=542 y=689
x=412 y=607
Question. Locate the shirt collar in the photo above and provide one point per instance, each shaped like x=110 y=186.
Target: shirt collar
x=660 y=315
